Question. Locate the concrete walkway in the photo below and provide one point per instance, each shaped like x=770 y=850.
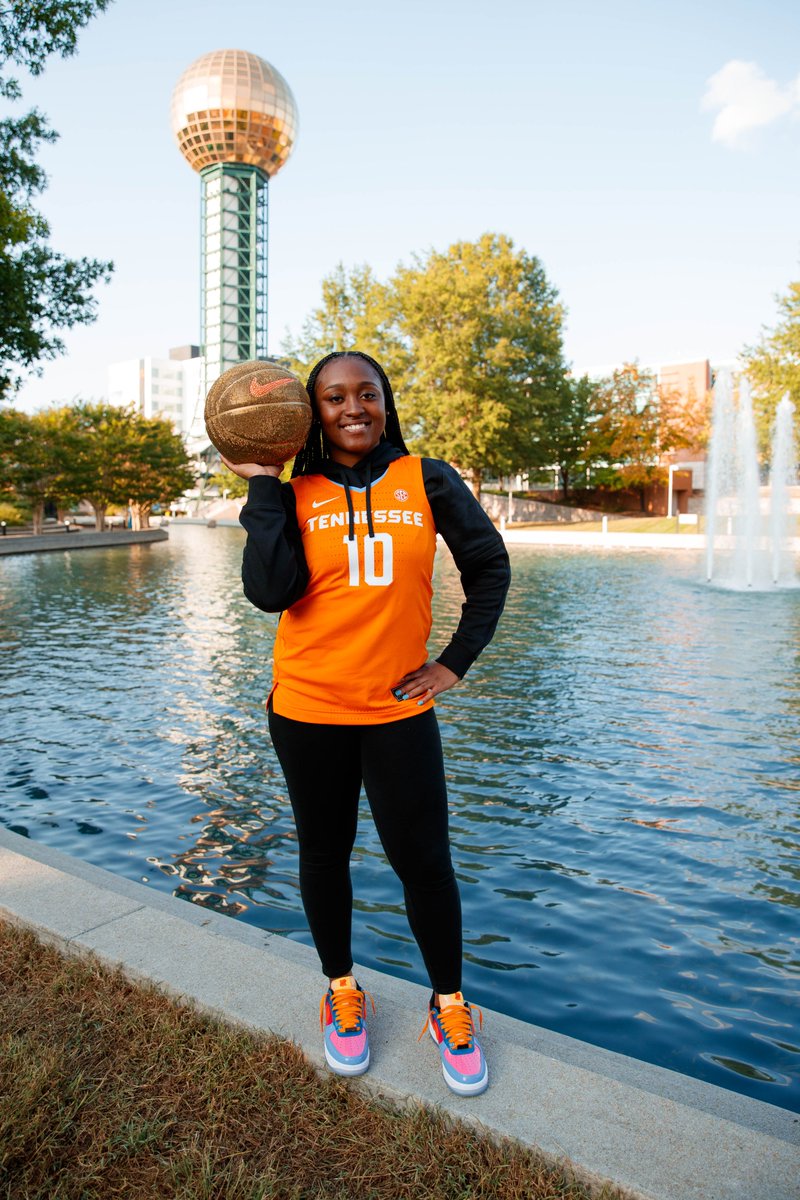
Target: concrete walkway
x=79 y=541
x=658 y=1134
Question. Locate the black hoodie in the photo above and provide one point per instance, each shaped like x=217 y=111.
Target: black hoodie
x=275 y=574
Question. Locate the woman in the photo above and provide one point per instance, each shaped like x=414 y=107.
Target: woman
x=345 y=552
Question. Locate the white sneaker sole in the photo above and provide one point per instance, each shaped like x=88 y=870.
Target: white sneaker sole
x=462 y=1089
x=340 y=1068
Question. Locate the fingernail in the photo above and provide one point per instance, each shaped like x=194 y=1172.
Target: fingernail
x=405 y=697
x=420 y=702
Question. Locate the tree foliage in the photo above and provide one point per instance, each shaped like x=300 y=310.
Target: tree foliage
x=564 y=435
x=94 y=452
x=43 y=291
x=471 y=339
x=637 y=423
x=773 y=365
x=125 y=458
x=226 y=481
x=482 y=325
x=36 y=453
x=356 y=312
x=627 y=429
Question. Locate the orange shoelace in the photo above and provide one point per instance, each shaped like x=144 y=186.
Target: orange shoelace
x=457 y=1024
x=349 y=1006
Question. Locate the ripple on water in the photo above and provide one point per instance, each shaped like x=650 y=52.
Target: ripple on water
x=622 y=768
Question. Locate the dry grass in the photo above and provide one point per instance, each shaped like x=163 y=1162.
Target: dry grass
x=110 y=1089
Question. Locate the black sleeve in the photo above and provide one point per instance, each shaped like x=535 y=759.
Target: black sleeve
x=480 y=555
x=274 y=569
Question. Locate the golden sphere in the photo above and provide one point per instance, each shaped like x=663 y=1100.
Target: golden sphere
x=231 y=106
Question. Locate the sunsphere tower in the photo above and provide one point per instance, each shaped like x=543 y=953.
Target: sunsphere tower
x=235 y=121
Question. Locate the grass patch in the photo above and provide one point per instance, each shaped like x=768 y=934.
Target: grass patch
x=111 y=1089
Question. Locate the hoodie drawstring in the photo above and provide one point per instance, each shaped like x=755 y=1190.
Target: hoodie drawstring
x=370 y=528
x=348 y=477
x=351 y=536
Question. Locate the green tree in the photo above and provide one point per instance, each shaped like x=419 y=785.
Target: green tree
x=356 y=312
x=773 y=366
x=156 y=468
x=43 y=291
x=564 y=429
x=102 y=464
x=37 y=454
x=125 y=458
x=482 y=326
x=226 y=481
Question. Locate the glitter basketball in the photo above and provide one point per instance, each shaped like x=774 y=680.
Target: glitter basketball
x=258 y=412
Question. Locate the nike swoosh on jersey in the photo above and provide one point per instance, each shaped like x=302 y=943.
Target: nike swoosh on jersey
x=259 y=390
x=319 y=503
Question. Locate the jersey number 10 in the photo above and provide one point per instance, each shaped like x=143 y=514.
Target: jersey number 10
x=371 y=578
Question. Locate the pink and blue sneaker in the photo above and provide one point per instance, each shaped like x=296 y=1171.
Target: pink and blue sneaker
x=452 y=1027
x=342 y=1013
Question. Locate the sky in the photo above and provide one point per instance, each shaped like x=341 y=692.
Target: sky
x=646 y=151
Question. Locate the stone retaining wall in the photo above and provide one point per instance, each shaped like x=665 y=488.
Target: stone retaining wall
x=515 y=510
x=78 y=541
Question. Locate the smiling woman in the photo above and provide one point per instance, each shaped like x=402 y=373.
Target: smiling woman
x=351 y=407
x=352 y=694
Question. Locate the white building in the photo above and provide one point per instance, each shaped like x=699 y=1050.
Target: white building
x=164 y=387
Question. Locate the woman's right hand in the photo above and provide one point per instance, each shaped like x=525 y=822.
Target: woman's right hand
x=249 y=470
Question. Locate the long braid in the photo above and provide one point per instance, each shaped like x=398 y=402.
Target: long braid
x=311 y=456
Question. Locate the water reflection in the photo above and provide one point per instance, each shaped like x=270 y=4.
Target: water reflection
x=622 y=766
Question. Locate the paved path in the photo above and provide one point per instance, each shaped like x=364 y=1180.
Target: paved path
x=658 y=1134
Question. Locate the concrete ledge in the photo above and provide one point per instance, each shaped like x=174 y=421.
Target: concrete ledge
x=658 y=1134
x=608 y=541
x=620 y=541
x=79 y=541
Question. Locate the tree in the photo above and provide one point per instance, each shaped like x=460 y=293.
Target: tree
x=95 y=452
x=564 y=428
x=226 y=481
x=36 y=458
x=627 y=432
x=685 y=418
x=357 y=312
x=43 y=291
x=102 y=463
x=482 y=325
x=125 y=458
x=773 y=366
x=156 y=469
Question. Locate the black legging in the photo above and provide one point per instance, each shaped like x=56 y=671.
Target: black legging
x=401 y=767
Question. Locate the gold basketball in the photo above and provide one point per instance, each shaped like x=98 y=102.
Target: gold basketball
x=258 y=412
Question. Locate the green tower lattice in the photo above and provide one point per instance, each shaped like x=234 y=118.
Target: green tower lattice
x=233 y=253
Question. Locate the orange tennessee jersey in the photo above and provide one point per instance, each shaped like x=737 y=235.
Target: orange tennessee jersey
x=364 y=619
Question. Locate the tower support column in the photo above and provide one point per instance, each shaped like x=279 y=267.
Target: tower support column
x=234 y=247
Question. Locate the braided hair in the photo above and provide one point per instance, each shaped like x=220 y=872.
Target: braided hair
x=311 y=456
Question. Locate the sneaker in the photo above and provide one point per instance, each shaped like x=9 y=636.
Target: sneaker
x=452 y=1027
x=341 y=1016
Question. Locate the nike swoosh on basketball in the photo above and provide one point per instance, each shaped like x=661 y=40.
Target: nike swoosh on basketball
x=319 y=503
x=259 y=390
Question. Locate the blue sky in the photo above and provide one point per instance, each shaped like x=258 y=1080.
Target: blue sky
x=579 y=129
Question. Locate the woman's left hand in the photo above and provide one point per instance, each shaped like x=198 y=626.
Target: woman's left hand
x=426 y=682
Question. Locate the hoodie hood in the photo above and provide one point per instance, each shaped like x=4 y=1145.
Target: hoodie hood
x=369 y=468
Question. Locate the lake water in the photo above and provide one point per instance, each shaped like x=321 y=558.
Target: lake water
x=623 y=765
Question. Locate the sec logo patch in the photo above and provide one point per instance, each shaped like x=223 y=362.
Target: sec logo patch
x=401 y=494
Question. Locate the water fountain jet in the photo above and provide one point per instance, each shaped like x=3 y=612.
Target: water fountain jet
x=743 y=550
